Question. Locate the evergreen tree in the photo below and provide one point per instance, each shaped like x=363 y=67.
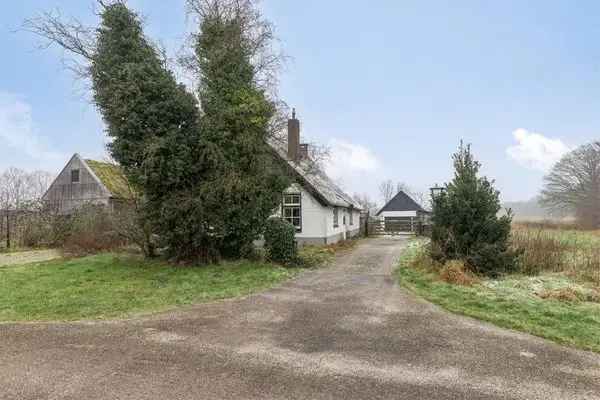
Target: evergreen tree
x=466 y=225
x=207 y=180
x=236 y=117
x=157 y=138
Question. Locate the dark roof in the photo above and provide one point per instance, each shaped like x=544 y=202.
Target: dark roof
x=401 y=202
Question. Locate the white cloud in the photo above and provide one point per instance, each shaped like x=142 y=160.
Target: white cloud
x=536 y=151
x=17 y=132
x=348 y=158
x=352 y=165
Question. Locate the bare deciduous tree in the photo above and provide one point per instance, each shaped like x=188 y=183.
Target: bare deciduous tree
x=573 y=185
x=19 y=188
x=387 y=190
x=37 y=184
x=259 y=37
x=365 y=202
x=421 y=198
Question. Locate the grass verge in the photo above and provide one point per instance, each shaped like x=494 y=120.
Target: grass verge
x=507 y=303
x=112 y=285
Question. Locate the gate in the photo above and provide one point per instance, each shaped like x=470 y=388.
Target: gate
x=378 y=226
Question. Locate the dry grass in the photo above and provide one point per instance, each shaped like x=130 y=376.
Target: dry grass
x=572 y=293
x=551 y=305
x=548 y=224
x=575 y=253
x=456 y=273
x=317 y=256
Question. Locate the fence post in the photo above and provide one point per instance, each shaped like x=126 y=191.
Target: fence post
x=7 y=229
x=367 y=224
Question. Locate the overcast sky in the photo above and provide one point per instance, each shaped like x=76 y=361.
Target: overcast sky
x=391 y=86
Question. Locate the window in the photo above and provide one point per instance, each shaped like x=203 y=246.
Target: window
x=75 y=176
x=335 y=217
x=292 y=209
x=351 y=217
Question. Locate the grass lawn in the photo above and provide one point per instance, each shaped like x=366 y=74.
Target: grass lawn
x=111 y=286
x=510 y=302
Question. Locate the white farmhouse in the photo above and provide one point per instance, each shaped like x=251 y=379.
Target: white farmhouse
x=321 y=212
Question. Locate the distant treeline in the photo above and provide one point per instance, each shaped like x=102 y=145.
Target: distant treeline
x=532 y=210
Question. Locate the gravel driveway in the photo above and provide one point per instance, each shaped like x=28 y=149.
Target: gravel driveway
x=345 y=332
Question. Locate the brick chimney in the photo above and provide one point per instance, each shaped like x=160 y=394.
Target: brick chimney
x=293 y=137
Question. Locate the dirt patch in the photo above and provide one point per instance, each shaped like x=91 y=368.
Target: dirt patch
x=28 y=257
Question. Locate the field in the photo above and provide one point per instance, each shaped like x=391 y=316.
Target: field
x=558 y=248
x=555 y=295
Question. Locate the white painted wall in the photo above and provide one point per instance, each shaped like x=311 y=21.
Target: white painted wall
x=341 y=228
x=398 y=214
x=313 y=214
x=317 y=220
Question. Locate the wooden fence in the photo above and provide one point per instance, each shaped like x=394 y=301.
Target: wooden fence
x=377 y=226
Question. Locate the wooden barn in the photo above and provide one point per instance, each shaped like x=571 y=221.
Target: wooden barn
x=402 y=214
x=87 y=182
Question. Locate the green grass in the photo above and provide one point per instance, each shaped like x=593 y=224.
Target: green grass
x=111 y=286
x=507 y=303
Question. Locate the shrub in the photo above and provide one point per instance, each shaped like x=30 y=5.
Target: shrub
x=90 y=230
x=280 y=240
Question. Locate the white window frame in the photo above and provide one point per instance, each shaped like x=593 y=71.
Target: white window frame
x=292 y=202
x=78 y=171
x=336 y=217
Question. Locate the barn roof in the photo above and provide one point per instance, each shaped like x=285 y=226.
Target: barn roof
x=401 y=202
x=315 y=180
x=112 y=177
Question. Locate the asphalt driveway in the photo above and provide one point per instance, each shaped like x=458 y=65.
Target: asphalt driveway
x=346 y=332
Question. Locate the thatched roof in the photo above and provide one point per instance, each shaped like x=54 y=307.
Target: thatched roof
x=315 y=180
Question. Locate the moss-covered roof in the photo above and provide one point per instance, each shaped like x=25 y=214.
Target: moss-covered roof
x=112 y=177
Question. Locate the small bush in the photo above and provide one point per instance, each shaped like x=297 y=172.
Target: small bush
x=37 y=232
x=90 y=230
x=425 y=261
x=456 y=273
x=280 y=241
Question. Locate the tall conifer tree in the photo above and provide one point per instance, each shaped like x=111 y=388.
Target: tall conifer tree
x=236 y=114
x=466 y=225
x=157 y=137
